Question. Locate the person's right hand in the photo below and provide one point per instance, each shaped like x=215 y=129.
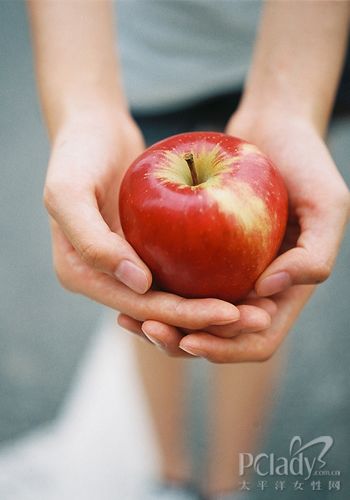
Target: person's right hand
x=91 y=257
x=81 y=194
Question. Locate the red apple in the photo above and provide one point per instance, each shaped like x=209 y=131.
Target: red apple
x=206 y=212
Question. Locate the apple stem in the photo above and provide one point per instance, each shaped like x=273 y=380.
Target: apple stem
x=188 y=157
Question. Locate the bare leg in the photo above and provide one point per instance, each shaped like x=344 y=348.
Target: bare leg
x=241 y=397
x=163 y=379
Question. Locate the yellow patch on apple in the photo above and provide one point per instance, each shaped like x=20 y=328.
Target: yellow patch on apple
x=239 y=199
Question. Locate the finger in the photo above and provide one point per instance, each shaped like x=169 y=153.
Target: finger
x=174 y=310
x=130 y=324
x=252 y=319
x=254 y=346
x=160 y=306
x=164 y=336
x=311 y=261
x=267 y=305
x=168 y=338
x=243 y=347
x=77 y=213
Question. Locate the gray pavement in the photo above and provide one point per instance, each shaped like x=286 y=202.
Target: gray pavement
x=44 y=331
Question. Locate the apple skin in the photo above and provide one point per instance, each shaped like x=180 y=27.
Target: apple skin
x=209 y=240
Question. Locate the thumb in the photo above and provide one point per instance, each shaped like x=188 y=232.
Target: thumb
x=312 y=260
x=97 y=245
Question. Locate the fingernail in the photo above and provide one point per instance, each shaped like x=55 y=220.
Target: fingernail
x=154 y=341
x=274 y=284
x=191 y=350
x=229 y=314
x=225 y=321
x=132 y=276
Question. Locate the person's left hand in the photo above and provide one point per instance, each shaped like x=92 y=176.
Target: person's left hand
x=318 y=212
x=228 y=344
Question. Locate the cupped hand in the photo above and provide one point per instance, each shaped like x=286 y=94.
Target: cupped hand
x=230 y=343
x=89 y=156
x=319 y=200
x=318 y=213
x=254 y=316
x=91 y=256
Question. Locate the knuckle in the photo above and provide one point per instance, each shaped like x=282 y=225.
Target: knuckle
x=179 y=306
x=51 y=196
x=265 y=354
x=322 y=271
x=184 y=314
x=64 y=278
x=91 y=254
x=48 y=198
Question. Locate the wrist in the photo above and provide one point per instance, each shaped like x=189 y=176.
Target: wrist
x=112 y=132
x=86 y=106
x=100 y=116
x=277 y=100
x=259 y=119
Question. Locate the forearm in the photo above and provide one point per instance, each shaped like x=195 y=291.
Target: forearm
x=298 y=58
x=77 y=66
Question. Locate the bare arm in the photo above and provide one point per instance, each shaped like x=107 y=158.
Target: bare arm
x=298 y=58
x=76 y=60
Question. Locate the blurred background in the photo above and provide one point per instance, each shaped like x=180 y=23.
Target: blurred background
x=47 y=334
x=43 y=329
